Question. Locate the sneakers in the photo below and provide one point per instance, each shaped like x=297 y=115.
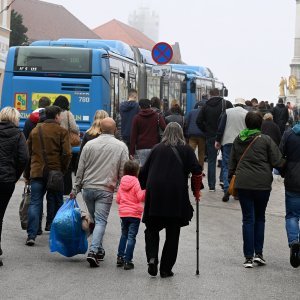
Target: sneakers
x=128 y=265
x=295 y=254
x=120 y=261
x=259 y=259
x=248 y=263
x=92 y=259
x=226 y=197
x=100 y=255
x=212 y=190
x=40 y=231
x=152 y=267
x=30 y=242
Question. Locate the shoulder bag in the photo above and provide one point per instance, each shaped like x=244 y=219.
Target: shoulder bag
x=74 y=137
x=54 y=178
x=231 y=189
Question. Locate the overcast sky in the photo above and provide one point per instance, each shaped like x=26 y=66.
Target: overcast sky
x=248 y=44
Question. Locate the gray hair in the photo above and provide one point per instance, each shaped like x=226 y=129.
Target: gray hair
x=268 y=116
x=173 y=135
x=10 y=114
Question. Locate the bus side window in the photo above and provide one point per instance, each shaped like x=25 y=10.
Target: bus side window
x=132 y=83
x=114 y=96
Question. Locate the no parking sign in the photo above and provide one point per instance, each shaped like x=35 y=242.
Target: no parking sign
x=162 y=53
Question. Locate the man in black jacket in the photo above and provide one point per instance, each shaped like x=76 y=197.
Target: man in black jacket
x=207 y=121
x=280 y=115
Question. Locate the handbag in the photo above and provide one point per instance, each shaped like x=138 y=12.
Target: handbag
x=54 y=178
x=231 y=189
x=73 y=136
x=23 y=208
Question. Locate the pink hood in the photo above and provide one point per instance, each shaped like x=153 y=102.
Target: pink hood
x=129 y=197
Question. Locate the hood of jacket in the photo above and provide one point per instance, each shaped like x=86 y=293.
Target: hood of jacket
x=128 y=105
x=214 y=101
x=128 y=182
x=247 y=140
x=280 y=105
x=147 y=113
x=296 y=129
x=8 y=129
x=35 y=115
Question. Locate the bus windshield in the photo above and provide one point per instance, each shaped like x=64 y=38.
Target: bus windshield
x=52 y=59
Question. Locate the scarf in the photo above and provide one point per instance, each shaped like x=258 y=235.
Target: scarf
x=245 y=133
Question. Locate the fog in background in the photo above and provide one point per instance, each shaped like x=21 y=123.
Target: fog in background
x=247 y=44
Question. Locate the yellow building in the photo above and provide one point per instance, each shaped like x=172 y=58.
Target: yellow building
x=5 y=10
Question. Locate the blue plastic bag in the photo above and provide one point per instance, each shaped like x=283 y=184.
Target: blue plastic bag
x=66 y=235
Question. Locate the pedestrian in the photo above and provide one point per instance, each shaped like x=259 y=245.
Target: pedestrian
x=94 y=131
x=58 y=155
x=145 y=131
x=196 y=138
x=231 y=124
x=129 y=197
x=289 y=146
x=68 y=122
x=128 y=109
x=37 y=116
x=280 y=115
x=201 y=103
x=175 y=114
x=34 y=117
x=100 y=167
x=167 y=205
x=253 y=183
x=208 y=120
x=270 y=128
x=156 y=106
x=13 y=158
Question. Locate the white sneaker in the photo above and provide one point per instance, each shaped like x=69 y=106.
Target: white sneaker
x=248 y=263
x=259 y=259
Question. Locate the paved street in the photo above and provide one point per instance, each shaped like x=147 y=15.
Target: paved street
x=35 y=273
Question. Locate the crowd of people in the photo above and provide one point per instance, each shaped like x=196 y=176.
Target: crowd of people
x=148 y=155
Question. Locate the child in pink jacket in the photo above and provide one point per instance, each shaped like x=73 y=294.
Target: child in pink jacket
x=129 y=197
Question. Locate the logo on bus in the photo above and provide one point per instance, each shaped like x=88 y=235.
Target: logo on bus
x=21 y=101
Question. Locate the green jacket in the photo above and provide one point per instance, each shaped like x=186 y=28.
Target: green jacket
x=254 y=172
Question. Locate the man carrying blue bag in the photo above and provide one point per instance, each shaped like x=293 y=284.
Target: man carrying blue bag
x=100 y=167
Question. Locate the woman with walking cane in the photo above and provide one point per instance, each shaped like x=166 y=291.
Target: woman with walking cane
x=167 y=204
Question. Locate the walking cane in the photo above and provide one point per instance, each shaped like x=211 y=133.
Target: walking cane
x=197 y=235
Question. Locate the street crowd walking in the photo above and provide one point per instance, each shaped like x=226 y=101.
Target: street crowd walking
x=150 y=164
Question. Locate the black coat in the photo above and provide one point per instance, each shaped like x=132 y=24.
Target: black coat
x=166 y=183
x=271 y=129
x=13 y=152
x=209 y=115
x=289 y=146
x=280 y=116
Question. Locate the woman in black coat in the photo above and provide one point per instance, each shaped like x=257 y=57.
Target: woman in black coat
x=13 y=157
x=167 y=204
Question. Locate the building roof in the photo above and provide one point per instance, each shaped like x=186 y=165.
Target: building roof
x=45 y=21
x=116 y=30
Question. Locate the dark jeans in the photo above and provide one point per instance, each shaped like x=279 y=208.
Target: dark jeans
x=130 y=228
x=6 y=191
x=54 y=202
x=253 y=204
x=292 y=217
x=212 y=154
x=170 y=249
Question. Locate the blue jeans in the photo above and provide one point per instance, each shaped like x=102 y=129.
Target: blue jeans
x=253 y=204
x=54 y=202
x=292 y=217
x=226 y=149
x=212 y=154
x=130 y=228
x=98 y=203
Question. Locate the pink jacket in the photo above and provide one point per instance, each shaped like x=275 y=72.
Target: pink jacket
x=129 y=197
